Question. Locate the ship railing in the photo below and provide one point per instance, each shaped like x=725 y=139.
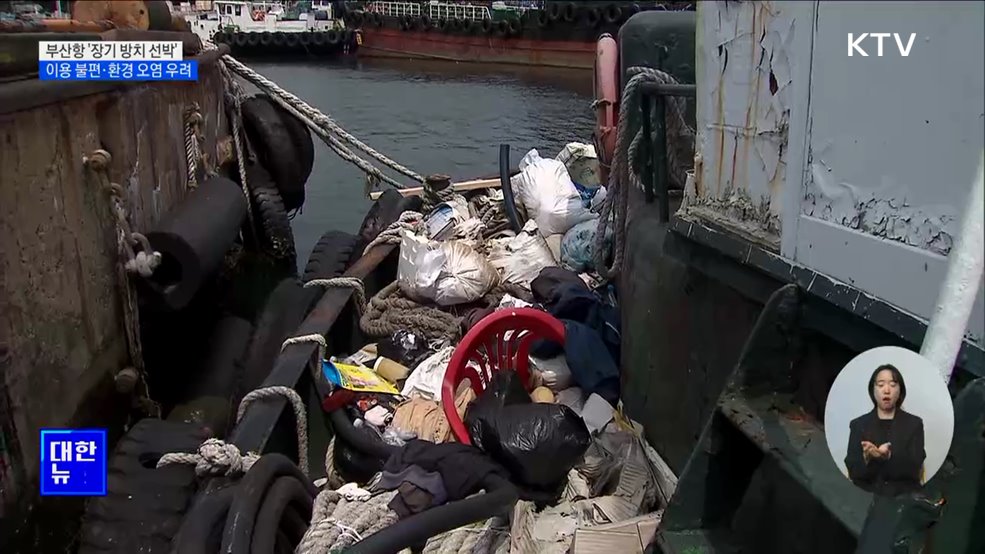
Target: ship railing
x=458 y=11
x=395 y=9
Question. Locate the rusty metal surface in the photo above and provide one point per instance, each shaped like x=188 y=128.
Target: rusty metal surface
x=744 y=102
x=59 y=297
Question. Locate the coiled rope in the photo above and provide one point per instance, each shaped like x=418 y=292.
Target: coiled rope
x=408 y=221
x=338 y=523
x=626 y=160
x=318 y=121
x=217 y=457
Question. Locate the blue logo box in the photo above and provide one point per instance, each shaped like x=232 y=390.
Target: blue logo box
x=73 y=462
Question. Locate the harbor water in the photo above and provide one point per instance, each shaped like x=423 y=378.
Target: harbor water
x=433 y=117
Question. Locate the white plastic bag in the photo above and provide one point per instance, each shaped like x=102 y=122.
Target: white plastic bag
x=548 y=195
x=554 y=372
x=520 y=259
x=446 y=273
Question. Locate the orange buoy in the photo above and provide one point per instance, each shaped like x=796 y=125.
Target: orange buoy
x=606 y=101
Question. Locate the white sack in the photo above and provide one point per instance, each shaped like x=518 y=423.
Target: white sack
x=520 y=259
x=548 y=195
x=446 y=273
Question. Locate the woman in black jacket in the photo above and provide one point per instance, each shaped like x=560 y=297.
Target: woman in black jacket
x=886 y=446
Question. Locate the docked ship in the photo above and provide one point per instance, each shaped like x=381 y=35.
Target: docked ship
x=546 y=34
x=274 y=28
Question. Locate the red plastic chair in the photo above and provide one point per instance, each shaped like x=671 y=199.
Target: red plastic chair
x=501 y=341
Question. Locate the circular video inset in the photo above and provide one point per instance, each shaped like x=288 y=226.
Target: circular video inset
x=889 y=421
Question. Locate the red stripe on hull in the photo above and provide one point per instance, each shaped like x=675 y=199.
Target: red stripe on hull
x=393 y=43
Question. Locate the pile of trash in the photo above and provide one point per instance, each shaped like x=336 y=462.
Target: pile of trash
x=586 y=478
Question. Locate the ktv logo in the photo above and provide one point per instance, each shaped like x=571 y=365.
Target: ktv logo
x=855 y=43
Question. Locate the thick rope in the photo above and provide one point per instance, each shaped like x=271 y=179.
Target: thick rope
x=338 y=523
x=319 y=119
x=193 y=150
x=97 y=165
x=340 y=149
x=393 y=234
x=390 y=311
x=626 y=158
x=233 y=100
x=354 y=283
x=217 y=457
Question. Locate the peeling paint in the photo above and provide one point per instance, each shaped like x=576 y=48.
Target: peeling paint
x=744 y=96
x=883 y=212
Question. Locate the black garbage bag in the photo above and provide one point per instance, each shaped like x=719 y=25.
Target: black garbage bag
x=405 y=347
x=537 y=443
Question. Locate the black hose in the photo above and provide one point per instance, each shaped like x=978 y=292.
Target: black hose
x=499 y=499
x=345 y=431
x=200 y=530
x=238 y=532
x=285 y=492
x=504 y=181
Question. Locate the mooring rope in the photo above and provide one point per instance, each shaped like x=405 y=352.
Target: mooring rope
x=626 y=157
x=408 y=221
x=338 y=523
x=317 y=119
x=233 y=100
x=217 y=457
x=193 y=147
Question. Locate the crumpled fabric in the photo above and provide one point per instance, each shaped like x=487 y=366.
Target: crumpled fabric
x=426 y=418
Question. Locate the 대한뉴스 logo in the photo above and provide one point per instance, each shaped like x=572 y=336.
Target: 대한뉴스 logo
x=855 y=43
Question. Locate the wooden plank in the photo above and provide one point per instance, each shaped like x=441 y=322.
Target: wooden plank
x=463 y=186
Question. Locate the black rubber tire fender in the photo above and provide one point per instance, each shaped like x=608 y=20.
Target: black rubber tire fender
x=442 y=24
x=630 y=11
x=514 y=27
x=334 y=252
x=543 y=19
x=487 y=26
x=384 y=212
x=502 y=28
x=220 y=38
x=378 y=19
x=426 y=23
x=144 y=506
x=612 y=14
x=266 y=39
x=280 y=39
x=272 y=227
x=554 y=11
x=291 y=40
x=332 y=37
x=593 y=17
x=404 y=22
x=239 y=40
x=305 y=38
x=253 y=40
x=415 y=23
x=569 y=12
x=277 y=148
x=320 y=39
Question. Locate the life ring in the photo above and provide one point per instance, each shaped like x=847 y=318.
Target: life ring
x=554 y=11
x=543 y=19
x=569 y=12
x=502 y=28
x=612 y=14
x=514 y=26
x=593 y=17
x=606 y=92
x=487 y=26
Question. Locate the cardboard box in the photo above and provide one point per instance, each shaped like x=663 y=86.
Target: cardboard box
x=626 y=537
